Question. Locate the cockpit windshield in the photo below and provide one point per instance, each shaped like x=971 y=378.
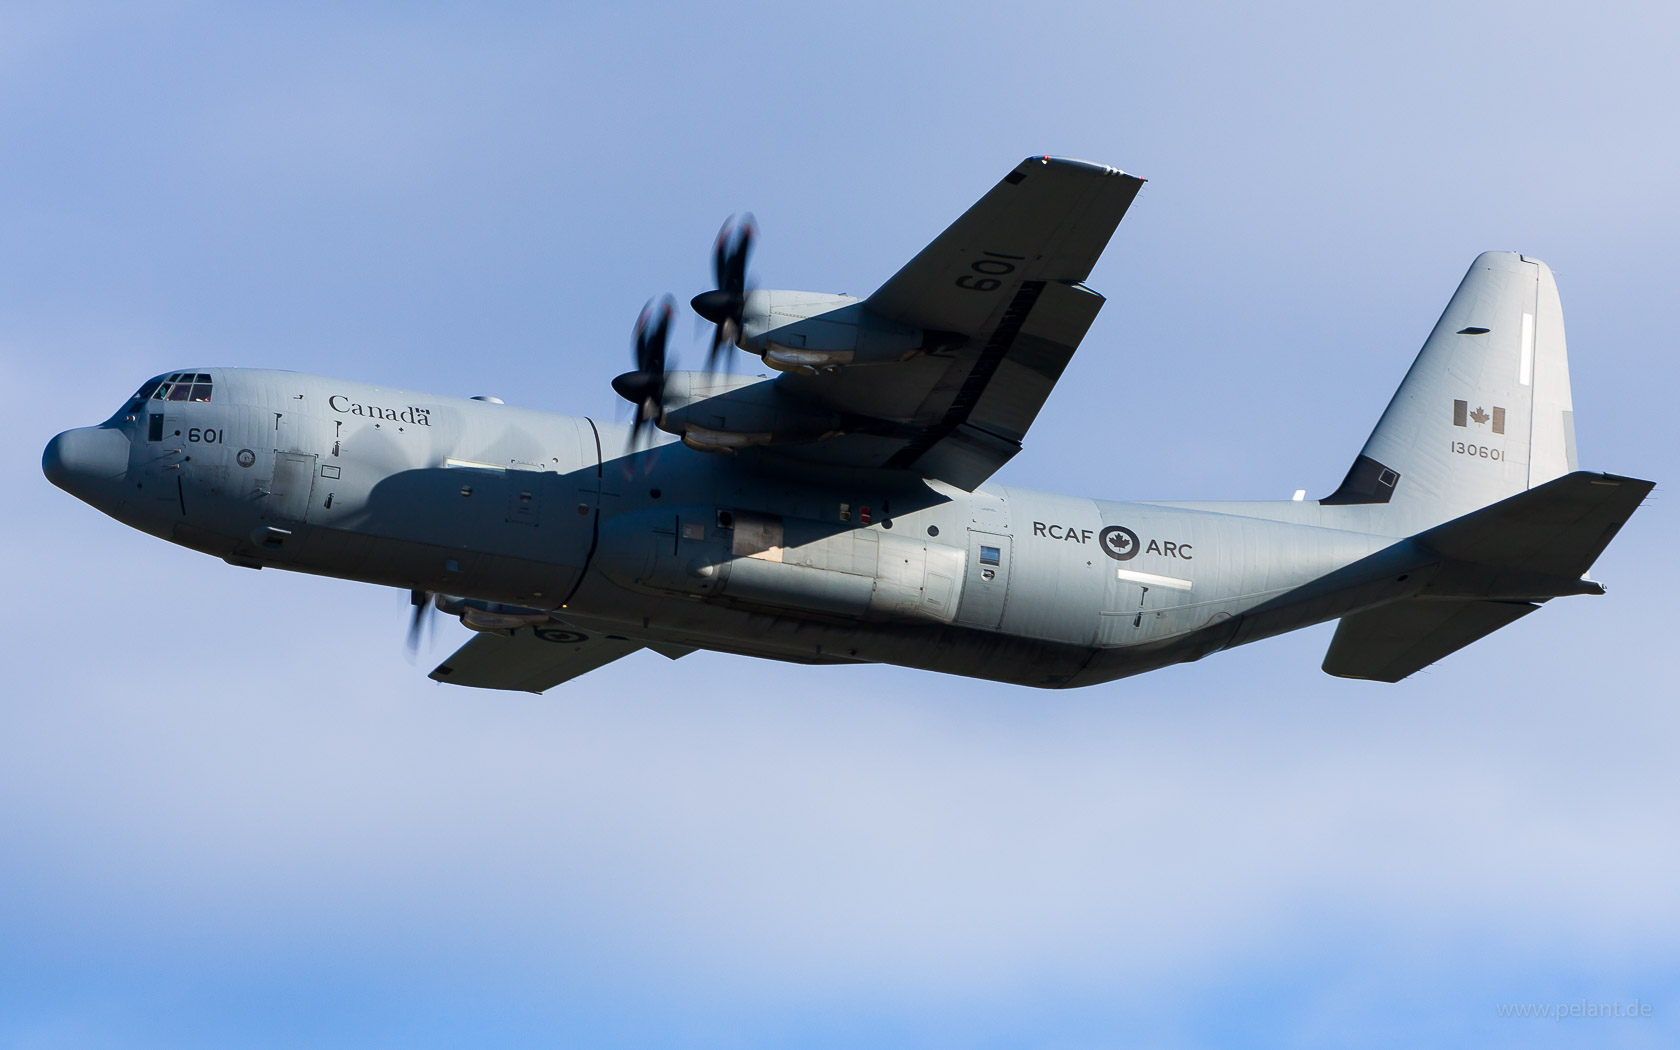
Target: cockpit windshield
x=178 y=386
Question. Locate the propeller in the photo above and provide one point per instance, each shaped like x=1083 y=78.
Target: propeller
x=724 y=304
x=420 y=622
x=645 y=387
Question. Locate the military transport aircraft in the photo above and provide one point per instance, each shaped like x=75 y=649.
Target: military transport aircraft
x=840 y=511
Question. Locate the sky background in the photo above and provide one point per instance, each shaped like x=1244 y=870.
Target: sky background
x=232 y=815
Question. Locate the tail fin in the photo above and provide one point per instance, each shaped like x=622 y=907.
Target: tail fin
x=1485 y=412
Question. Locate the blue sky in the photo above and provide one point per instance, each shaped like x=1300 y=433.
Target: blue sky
x=232 y=815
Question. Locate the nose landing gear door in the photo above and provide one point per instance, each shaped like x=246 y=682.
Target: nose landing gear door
x=986 y=586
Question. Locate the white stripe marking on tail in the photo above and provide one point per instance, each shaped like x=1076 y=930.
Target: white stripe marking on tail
x=1526 y=374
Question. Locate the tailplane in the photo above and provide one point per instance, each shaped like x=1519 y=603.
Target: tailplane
x=1485 y=570
x=1485 y=412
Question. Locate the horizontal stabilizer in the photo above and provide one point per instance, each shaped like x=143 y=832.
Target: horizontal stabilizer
x=531 y=659
x=1495 y=565
x=1389 y=642
x=1557 y=529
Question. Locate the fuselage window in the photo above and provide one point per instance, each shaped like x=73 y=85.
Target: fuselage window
x=990 y=555
x=154 y=427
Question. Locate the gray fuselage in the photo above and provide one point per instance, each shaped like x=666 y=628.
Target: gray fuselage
x=748 y=554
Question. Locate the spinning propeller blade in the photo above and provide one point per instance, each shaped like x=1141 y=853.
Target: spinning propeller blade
x=419 y=623
x=723 y=305
x=645 y=387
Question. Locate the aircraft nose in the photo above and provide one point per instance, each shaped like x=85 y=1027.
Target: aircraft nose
x=86 y=462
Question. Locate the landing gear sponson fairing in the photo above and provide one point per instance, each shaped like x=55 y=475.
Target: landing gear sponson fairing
x=839 y=512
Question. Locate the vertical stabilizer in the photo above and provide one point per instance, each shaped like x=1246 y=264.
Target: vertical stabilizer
x=1485 y=412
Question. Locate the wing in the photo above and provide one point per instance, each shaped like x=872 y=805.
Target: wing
x=1557 y=529
x=531 y=659
x=1001 y=297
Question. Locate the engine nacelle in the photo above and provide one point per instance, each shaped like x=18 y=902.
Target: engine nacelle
x=815 y=332
x=758 y=560
x=490 y=617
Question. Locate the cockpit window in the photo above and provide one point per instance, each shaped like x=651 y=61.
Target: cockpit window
x=179 y=386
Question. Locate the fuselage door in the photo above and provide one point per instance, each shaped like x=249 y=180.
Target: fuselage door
x=986 y=583
x=289 y=491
